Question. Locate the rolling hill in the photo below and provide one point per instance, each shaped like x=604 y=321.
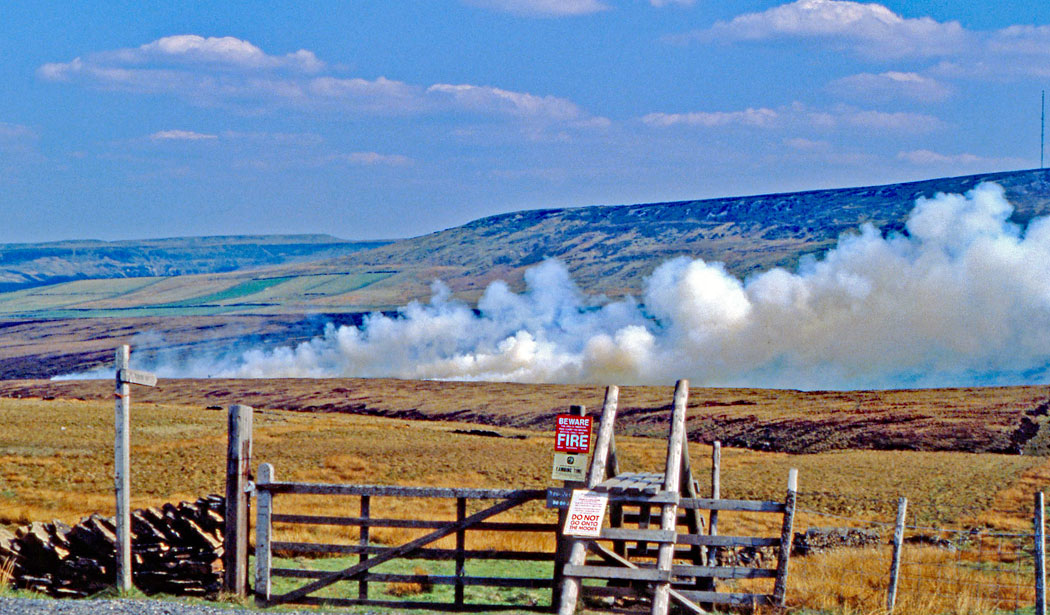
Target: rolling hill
x=30 y=265
x=193 y=287
x=608 y=249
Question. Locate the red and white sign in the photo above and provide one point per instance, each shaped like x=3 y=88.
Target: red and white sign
x=586 y=511
x=572 y=434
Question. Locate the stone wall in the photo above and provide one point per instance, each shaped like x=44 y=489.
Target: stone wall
x=176 y=549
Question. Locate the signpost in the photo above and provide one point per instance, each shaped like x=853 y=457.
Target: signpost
x=125 y=377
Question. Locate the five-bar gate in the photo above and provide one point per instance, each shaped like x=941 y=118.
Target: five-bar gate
x=371 y=555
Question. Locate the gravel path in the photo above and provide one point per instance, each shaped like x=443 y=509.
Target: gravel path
x=32 y=606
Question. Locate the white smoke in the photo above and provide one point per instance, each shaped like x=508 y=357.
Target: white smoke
x=963 y=298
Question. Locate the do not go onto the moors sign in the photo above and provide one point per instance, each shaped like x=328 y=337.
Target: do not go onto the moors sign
x=586 y=512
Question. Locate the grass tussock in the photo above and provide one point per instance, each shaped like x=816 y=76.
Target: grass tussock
x=412 y=588
x=933 y=581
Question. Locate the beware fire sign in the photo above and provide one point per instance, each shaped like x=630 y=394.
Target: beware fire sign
x=572 y=434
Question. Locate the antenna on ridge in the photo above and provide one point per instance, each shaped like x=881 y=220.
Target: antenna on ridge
x=1042 y=126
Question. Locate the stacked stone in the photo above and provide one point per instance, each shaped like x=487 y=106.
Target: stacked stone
x=176 y=549
x=821 y=539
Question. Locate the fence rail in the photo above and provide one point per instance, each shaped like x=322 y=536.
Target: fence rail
x=926 y=568
x=371 y=555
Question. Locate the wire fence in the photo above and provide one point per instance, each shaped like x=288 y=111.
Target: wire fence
x=846 y=565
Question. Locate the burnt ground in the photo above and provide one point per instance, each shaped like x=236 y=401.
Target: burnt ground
x=991 y=419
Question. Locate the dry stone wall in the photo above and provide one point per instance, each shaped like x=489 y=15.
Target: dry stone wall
x=176 y=549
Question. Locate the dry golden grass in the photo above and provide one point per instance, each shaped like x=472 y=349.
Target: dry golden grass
x=934 y=581
x=971 y=420
x=56 y=463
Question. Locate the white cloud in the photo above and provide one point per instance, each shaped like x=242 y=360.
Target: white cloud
x=373 y=159
x=181 y=135
x=488 y=99
x=929 y=158
x=659 y=3
x=542 y=8
x=225 y=52
x=890 y=85
x=16 y=132
x=709 y=119
x=877 y=33
x=897 y=121
x=1021 y=40
x=807 y=145
x=869 y=29
x=800 y=116
x=230 y=72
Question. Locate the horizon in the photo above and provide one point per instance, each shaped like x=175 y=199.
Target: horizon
x=396 y=239
x=379 y=120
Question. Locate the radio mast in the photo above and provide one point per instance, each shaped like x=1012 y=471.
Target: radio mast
x=1042 y=126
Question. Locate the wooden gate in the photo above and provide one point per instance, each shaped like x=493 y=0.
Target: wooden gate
x=371 y=555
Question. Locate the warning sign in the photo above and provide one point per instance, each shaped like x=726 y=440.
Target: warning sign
x=586 y=512
x=572 y=434
x=569 y=466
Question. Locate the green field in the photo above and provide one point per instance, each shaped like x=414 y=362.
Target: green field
x=198 y=295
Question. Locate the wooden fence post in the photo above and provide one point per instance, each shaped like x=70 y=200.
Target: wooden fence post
x=121 y=470
x=238 y=469
x=898 y=543
x=263 y=535
x=786 y=539
x=716 y=493
x=461 y=545
x=1040 y=555
x=366 y=514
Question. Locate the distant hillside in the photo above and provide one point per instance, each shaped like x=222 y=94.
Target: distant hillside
x=608 y=249
x=26 y=265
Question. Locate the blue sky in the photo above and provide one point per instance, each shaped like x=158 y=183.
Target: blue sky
x=370 y=119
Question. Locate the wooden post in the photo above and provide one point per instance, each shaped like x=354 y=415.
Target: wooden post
x=716 y=487
x=708 y=583
x=561 y=546
x=786 y=538
x=366 y=512
x=570 y=586
x=238 y=468
x=263 y=535
x=461 y=545
x=1040 y=555
x=120 y=470
x=898 y=543
x=672 y=478
x=612 y=468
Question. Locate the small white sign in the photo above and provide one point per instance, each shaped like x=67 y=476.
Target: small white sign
x=586 y=513
x=569 y=466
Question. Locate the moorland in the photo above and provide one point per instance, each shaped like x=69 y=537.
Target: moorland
x=64 y=302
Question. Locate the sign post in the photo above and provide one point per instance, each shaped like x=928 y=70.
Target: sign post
x=560 y=498
x=125 y=377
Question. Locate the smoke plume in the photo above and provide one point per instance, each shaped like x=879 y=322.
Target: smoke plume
x=961 y=298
